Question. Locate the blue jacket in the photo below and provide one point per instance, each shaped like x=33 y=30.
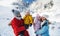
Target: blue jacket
x=44 y=31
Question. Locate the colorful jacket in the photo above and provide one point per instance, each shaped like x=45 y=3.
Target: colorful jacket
x=37 y=23
x=44 y=31
x=28 y=19
x=17 y=25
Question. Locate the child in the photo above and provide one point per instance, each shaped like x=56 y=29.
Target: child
x=44 y=31
x=28 y=20
x=37 y=23
x=18 y=24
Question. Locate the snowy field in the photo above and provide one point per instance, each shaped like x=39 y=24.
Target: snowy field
x=6 y=16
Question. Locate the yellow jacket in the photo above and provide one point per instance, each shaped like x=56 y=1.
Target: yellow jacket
x=28 y=19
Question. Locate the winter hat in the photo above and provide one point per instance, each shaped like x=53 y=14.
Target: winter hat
x=37 y=16
x=46 y=16
x=15 y=12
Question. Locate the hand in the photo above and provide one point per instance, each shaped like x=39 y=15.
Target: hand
x=30 y=25
x=9 y=24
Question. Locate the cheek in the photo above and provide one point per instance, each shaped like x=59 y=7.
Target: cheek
x=42 y=19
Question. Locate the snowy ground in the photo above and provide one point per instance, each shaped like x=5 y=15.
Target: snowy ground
x=54 y=16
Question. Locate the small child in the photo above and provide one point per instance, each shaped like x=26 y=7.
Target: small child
x=37 y=24
x=28 y=20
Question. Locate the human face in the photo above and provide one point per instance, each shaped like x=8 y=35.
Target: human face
x=27 y=13
x=43 y=18
x=19 y=15
x=39 y=18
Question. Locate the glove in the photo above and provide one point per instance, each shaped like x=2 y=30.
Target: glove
x=30 y=25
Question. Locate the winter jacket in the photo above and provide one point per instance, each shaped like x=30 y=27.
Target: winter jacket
x=37 y=23
x=44 y=31
x=28 y=19
x=26 y=33
x=17 y=25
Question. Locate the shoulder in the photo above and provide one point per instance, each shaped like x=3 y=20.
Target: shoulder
x=24 y=17
x=30 y=15
x=46 y=20
x=13 y=19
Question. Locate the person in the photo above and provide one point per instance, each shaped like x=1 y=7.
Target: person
x=28 y=20
x=44 y=31
x=17 y=24
x=37 y=23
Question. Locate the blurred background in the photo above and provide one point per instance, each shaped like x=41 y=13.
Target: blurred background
x=49 y=8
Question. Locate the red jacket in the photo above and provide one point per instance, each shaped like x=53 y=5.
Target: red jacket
x=18 y=26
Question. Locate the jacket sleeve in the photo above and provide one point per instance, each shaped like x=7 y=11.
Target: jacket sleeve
x=43 y=30
x=31 y=19
x=10 y=23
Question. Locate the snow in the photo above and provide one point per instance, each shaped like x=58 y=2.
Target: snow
x=53 y=15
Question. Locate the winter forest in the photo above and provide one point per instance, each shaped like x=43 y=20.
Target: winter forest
x=48 y=8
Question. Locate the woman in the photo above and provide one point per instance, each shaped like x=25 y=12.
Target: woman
x=44 y=31
x=37 y=23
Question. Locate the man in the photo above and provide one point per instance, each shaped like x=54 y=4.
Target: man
x=18 y=24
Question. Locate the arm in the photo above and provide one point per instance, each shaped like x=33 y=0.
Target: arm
x=24 y=17
x=31 y=19
x=43 y=30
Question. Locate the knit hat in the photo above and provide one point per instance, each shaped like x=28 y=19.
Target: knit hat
x=15 y=12
x=38 y=16
x=46 y=16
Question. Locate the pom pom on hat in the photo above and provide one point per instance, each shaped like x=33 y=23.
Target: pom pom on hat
x=15 y=12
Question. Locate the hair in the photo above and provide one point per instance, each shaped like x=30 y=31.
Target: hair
x=41 y=19
x=44 y=19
